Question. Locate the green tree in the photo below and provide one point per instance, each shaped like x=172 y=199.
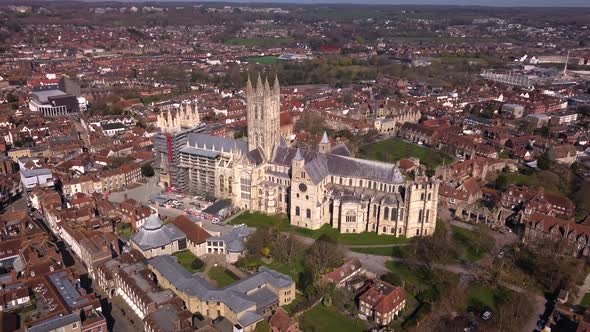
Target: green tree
x=543 y=162
x=147 y=171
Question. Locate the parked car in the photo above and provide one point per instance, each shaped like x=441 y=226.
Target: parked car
x=486 y=315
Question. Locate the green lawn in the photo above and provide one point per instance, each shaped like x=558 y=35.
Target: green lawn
x=293 y=270
x=321 y=318
x=264 y=42
x=394 y=149
x=475 y=245
x=263 y=60
x=381 y=251
x=255 y=219
x=420 y=280
x=263 y=326
x=586 y=301
x=483 y=296
x=124 y=230
x=222 y=276
x=189 y=261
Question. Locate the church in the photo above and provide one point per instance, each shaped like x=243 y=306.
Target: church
x=314 y=188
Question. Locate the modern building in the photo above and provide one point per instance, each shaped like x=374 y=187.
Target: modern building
x=231 y=244
x=54 y=103
x=244 y=303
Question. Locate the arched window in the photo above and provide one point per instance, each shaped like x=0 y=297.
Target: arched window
x=422 y=196
x=427 y=216
x=221 y=183
x=308 y=213
x=429 y=197
x=350 y=182
x=394 y=214
x=374 y=211
x=386 y=213
x=392 y=230
x=297 y=212
x=384 y=229
x=420 y=216
x=360 y=183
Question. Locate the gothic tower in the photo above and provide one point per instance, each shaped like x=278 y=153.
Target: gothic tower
x=263 y=115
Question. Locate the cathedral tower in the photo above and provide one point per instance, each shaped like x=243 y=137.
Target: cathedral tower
x=263 y=115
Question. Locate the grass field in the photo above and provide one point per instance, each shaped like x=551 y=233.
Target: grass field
x=263 y=60
x=222 y=276
x=474 y=245
x=481 y=296
x=186 y=259
x=282 y=223
x=263 y=326
x=294 y=269
x=394 y=149
x=321 y=318
x=263 y=42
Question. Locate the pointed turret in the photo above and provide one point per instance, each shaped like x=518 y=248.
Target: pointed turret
x=298 y=156
x=259 y=86
x=324 y=146
x=277 y=87
x=266 y=86
x=248 y=85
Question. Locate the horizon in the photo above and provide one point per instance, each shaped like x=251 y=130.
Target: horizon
x=454 y=3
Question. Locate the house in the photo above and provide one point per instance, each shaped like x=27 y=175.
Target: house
x=529 y=201
x=573 y=236
x=231 y=244
x=196 y=236
x=344 y=273
x=563 y=154
x=382 y=302
x=281 y=322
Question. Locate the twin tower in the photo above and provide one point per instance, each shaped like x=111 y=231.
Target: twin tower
x=264 y=108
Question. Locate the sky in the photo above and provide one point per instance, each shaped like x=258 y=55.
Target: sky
x=492 y=3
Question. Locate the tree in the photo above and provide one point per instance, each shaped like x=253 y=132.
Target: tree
x=544 y=162
x=197 y=264
x=147 y=171
x=323 y=255
x=311 y=122
x=502 y=182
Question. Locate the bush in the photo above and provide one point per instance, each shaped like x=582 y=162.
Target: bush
x=197 y=264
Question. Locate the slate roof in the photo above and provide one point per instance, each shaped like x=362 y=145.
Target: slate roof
x=239 y=297
x=234 y=240
x=55 y=323
x=319 y=165
x=155 y=234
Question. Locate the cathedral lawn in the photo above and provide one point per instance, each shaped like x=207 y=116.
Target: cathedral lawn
x=222 y=276
x=321 y=318
x=186 y=259
x=394 y=149
x=256 y=219
x=475 y=245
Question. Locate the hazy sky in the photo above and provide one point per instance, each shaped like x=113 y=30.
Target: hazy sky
x=495 y=3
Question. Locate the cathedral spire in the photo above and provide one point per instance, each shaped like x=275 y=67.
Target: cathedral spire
x=259 y=85
x=248 y=85
x=277 y=88
x=266 y=86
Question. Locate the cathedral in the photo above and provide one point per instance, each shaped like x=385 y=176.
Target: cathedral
x=314 y=188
